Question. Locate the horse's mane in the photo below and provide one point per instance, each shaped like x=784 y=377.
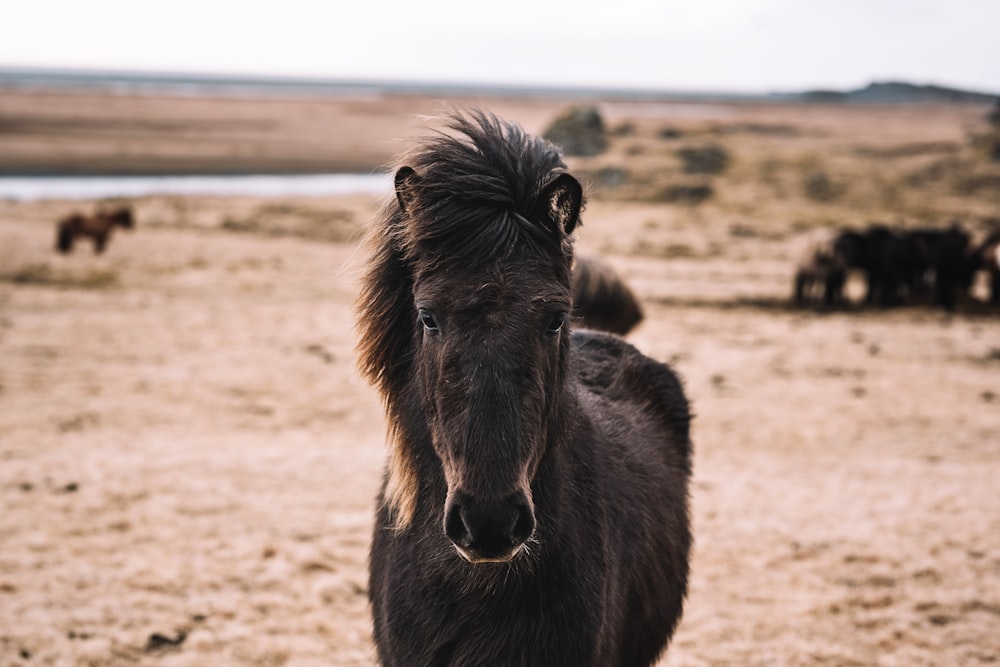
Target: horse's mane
x=476 y=193
x=472 y=195
x=119 y=216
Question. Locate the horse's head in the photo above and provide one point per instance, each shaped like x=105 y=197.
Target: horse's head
x=489 y=257
x=122 y=217
x=490 y=354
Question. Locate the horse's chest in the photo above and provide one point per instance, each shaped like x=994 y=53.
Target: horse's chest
x=498 y=620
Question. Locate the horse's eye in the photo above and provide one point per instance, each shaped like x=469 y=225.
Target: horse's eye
x=556 y=324
x=430 y=324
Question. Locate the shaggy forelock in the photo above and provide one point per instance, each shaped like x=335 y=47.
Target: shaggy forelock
x=479 y=191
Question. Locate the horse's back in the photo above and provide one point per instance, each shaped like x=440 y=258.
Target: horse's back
x=601 y=298
x=628 y=380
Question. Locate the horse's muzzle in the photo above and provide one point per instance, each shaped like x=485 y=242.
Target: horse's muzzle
x=489 y=531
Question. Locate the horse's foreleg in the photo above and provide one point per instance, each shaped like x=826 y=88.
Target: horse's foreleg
x=833 y=288
x=799 y=290
x=64 y=240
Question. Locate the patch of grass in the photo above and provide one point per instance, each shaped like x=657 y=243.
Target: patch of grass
x=707 y=159
x=646 y=248
x=906 y=150
x=44 y=275
x=978 y=184
x=623 y=129
x=685 y=193
x=819 y=187
x=987 y=144
x=757 y=128
x=247 y=226
x=286 y=220
x=741 y=230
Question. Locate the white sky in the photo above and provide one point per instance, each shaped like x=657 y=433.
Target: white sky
x=733 y=45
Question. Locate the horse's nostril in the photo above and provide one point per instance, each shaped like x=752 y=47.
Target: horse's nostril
x=523 y=525
x=455 y=527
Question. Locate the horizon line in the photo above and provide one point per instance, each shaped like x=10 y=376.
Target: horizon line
x=179 y=77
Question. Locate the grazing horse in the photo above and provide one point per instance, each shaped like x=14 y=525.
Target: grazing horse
x=940 y=260
x=891 y=261
x=888 y=261
x=986 y=257
x=821 y=270
x=601 y=299
x=534 y=509
x=98 y=227
x=912 y=264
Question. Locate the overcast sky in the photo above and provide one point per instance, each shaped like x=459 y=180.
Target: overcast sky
x=701 y=45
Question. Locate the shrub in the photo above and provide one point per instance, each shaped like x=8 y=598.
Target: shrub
x=579 y=131
x=708 y=159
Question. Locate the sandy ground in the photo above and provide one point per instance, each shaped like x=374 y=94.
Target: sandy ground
x=188 y=457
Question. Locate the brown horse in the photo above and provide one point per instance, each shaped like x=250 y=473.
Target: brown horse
x=98 y=227
x=535 y=506
x=601 y=298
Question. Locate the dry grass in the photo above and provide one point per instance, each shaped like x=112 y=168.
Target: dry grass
x=46 y=275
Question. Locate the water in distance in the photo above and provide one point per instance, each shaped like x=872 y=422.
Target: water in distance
x=267 y=185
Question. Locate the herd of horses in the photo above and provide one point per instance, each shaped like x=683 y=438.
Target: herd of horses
x=900 y=266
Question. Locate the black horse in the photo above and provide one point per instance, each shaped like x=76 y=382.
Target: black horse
x=601 y=298
x=906 y=266
x=986 y=257
x=821 y=270
x=535 y=504
x=941 y=263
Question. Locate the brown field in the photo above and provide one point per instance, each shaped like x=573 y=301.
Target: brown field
x=188 y=457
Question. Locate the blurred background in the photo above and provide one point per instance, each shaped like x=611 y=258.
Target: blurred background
x=799 y=203
x=260 y=65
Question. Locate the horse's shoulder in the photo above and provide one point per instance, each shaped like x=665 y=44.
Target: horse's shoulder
x=607 y=364
x=609 y=367
x=598 y=353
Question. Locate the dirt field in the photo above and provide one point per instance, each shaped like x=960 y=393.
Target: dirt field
x=188 y=457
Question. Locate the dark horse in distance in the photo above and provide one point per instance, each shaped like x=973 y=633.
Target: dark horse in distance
x=98 y=227
x=601 y=298
x=986 y=257
x=535 y=505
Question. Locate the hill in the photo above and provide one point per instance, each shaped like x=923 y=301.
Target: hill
x=897 y=92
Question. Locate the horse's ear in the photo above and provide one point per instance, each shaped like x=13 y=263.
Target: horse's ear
x=561 y=200
x=407 y=182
